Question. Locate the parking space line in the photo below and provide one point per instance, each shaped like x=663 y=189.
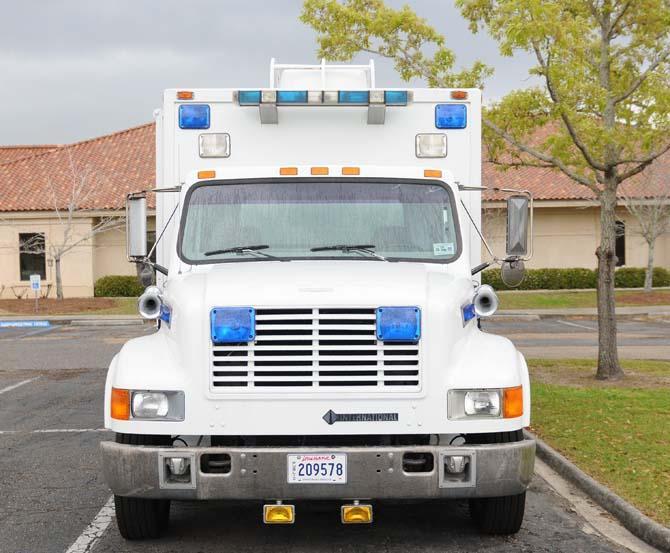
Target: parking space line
x=577 y=325
x=15 y=386
x=94 y=531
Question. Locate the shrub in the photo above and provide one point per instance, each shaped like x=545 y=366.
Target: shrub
x=117 y=286
x=570 y=279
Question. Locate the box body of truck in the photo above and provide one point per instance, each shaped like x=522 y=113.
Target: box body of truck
x=317 y=332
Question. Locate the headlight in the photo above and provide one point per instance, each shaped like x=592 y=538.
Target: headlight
x=150 y=405
x=487 y=403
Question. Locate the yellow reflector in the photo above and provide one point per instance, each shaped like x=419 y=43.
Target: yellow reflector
x=206 y=174
x=184 y=95
x=278 y=514
x=512 y=402
x=120 y=405
x=319 y=170
x=288 y=170
x=351 y=170
x=434 y=173
x=356 y=514
x=459 y=94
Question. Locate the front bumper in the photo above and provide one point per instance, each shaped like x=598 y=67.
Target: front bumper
x=373 y=473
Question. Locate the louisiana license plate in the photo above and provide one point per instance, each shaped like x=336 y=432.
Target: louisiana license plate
x=317 y=468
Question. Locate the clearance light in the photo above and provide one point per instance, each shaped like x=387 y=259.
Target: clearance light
x=351 y=170
x=451 y=116
x=120 y=404
x=431 y=145
x=206 y=174
x=278 y=514
x=356 y=514
x=184 y=95
x=194 y=116
x=215 y=145
x=288 y=171
x=459 y=95
x=432 y=173
x=398 y=324
x=319 y=171
x=513 y=402
x=233 y=324
x=249 y=97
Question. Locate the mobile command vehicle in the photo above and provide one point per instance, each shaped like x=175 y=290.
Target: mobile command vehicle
x=318 y=305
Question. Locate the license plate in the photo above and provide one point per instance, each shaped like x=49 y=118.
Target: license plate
x=317 y=468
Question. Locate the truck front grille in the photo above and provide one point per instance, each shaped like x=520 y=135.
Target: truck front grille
x=320 y=349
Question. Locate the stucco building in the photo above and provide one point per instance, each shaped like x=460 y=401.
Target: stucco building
x=39 y=183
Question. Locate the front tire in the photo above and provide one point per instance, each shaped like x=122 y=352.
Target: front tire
x=498 y=515
x=138 y=518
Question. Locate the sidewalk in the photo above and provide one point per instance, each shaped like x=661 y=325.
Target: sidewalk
x=588 y=312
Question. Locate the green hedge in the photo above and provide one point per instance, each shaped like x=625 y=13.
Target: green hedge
x=117 y=286
x=566 y=279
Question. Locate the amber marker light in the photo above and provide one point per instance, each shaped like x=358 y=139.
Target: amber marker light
x=120 y=405
x=512 y=402
x=288 y=171
x=432 y=173
x=319 y=170
x=184 y=95
x=459 y=95
x=206 y=174
x=351 y=170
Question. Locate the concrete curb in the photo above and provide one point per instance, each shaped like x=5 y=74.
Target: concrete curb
x=641 y=525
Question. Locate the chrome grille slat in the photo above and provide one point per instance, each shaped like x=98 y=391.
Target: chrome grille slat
x=315 y=350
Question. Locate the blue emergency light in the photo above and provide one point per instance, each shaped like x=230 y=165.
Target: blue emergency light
x=398 y=324
x=360 y=97
x=395 y=97
x=468 y=312
x=194 y=116
x=233 y=324
x=291 y=96
x=249 y=97
x=451 y=116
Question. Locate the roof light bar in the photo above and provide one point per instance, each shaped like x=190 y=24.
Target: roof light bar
x=326 y=97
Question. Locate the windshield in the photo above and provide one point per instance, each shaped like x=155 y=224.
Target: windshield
x=397 y=219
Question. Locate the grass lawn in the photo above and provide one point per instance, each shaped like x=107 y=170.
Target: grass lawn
x=566 y=298
x=70 y=306
x=619 y=433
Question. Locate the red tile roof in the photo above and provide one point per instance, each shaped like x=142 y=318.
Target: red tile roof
x=124 y=162
x=12 y=153
x=110 y=165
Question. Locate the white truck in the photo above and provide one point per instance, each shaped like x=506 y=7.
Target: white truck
x=318 y=308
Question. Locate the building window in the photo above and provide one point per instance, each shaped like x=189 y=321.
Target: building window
x=620 y=245
x=32 y=257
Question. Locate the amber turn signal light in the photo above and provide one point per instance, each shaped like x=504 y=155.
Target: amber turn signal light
x=120 y=405
x=513 y=402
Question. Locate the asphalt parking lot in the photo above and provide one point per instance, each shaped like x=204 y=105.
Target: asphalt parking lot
x=53 y=498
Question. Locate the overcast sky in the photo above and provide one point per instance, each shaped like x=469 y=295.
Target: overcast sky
x=76 y=69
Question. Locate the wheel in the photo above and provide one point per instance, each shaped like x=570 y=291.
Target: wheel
x=498 y=515
x=139 y=518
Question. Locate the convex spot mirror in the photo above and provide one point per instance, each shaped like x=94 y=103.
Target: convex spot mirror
x=517 y=226
x=146 y=275
x=136 y=226
x=512 y=272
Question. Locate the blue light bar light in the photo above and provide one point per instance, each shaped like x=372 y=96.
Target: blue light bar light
x=233 y=324
x=291 y=96
x=360 y=97
x=398 y=324
x=451 y=116
x=194 y=116
x=249 y=97
x=395 y=97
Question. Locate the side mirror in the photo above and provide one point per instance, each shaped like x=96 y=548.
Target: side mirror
x=136 y=226
x=517 y=226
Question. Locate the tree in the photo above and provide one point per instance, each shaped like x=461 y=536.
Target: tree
x=605 y=93
x=652 y=214
x=67 y=204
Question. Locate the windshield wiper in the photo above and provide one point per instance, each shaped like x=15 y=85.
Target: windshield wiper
x=242 y=250
x=366 y=248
